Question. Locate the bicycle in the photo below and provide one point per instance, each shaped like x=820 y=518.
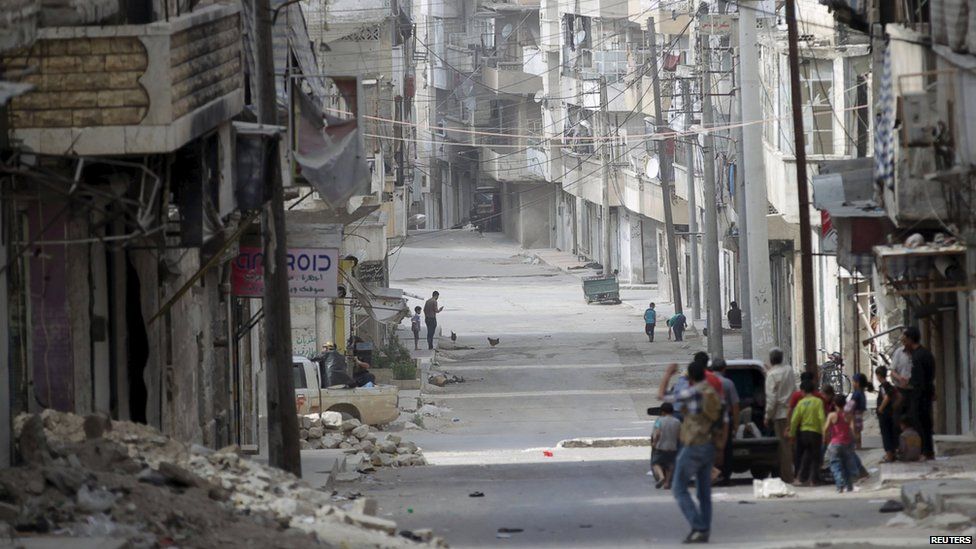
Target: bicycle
x=832 y=374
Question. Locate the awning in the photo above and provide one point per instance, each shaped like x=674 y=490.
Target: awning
x=385 y=305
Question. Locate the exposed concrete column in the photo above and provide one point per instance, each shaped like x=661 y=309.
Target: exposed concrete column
x=757 y=232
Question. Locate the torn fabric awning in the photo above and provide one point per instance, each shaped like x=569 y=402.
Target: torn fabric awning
x=330 y=152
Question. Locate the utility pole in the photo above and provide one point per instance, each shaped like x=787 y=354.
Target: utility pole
x=666 y=173
x=693 y=290
x=712 y=290
x=283 y=449
x=757 y=309
x=803 y=196
x=607 y=160
x=742 y=215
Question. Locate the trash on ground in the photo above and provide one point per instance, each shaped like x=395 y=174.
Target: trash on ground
x=510 y=530
x=547 y=453
x=476 y=495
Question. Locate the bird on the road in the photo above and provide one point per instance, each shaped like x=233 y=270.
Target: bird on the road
x=493 y=342
x=453 y=336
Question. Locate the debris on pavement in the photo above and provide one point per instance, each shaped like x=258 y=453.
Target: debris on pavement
x=441 y=379
x=130 y=482
x=771 y=488
x=891 y=506
x=547 y=453
x=476 y=495
x=430 y=410
x=320 y=431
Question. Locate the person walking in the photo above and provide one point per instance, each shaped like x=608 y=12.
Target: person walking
x=430 y=317
x=650 y=320
x=780 y=382
x=730 y=397
x=806 y=427
x=857 y=404
x=664 y=444
x=887 y=403
x=703 y=411
x=922 y=384
x=840 y=449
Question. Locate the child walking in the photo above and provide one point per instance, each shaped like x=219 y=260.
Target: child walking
x=840 y=449
x=415 y=327
x=857 y=404
x=664 y=441
x=806 y=427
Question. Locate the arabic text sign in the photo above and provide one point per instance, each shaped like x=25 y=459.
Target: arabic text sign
x=312 y=272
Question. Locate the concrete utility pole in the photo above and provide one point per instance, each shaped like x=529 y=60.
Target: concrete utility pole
x=757 y=309
x=666 y=173
x=743 y=216
x=283 y=449
x=712 y=290
x=693 y=290
x=607 y=161
x=803 y=197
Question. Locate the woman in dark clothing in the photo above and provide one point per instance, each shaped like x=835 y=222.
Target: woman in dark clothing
x=888 y=402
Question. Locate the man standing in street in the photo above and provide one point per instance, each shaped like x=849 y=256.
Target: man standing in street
x=780 y=383
x=430 y=317
x=650 y=319
x=703 y=410
x=730 y=396
x=922 y=384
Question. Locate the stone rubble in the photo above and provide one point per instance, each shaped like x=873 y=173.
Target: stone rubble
x=363 y=441
x=108 y=484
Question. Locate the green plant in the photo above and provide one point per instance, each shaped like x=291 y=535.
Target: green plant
x=392 y=353
x=405 y=370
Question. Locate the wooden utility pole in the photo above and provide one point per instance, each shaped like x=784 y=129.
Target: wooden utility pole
x=713 y=294
x=665 y=170
x=607 y=161
x=803 y=196
x=283 y=449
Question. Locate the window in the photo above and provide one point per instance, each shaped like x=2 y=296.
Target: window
x=816 y=89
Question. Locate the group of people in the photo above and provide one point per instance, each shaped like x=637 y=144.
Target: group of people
x=692 y=437
x=430 y=310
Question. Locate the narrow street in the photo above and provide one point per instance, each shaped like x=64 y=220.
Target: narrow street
x=562 y=370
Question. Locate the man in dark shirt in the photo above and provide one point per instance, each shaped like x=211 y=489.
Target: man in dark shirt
x=430 y=317
x=922 y=383
x=735 y=316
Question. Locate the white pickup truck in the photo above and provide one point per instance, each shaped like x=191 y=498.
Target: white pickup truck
x=373 y=406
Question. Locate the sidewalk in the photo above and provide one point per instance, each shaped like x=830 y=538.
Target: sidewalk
x=570 y=263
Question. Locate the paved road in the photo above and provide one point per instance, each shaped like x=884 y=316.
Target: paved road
x=563 y=370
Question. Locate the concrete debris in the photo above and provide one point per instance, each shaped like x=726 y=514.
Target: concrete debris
x=901 y=520
x=361 y=439
x=130 y=482
x=948 y=521
x=331 y=420
x=771 y=488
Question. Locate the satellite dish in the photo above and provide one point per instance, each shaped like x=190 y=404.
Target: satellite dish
x=539 y=96
x=578 y=37
x=652 y=167
x=507 y=31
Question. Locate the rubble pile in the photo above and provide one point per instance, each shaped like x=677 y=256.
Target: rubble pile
x=329 y=430
x=95 y=477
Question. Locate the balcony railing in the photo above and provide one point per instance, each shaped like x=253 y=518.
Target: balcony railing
x=131 y=89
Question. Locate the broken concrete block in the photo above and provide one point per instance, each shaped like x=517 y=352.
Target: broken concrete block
x=387 y=447
x=394 y=439
x=949 y=521
x=303 y=434
x=901 y=520
x=96 y=425
x=67 y=481
x=304 y=422
x=962 y=505
x=438 y=380
x=344 y=445
x=360 y=432
x=95 y=500
x=315 y=432
x=331 y=441
x=771 y=488
x=32 y=443
x=366 y=446
x=371 y=523
x=178 y=476
x=350 y=424
x=403 y=450
x=331 y=420
x=365 y=506
x=304 y=445
x=404 y=460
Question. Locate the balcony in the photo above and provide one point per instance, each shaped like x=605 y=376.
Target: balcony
x=603 y=9
x=460 y=58
x=510 y=166
x=458 y=123
x=509 y=77
x=129 y=89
